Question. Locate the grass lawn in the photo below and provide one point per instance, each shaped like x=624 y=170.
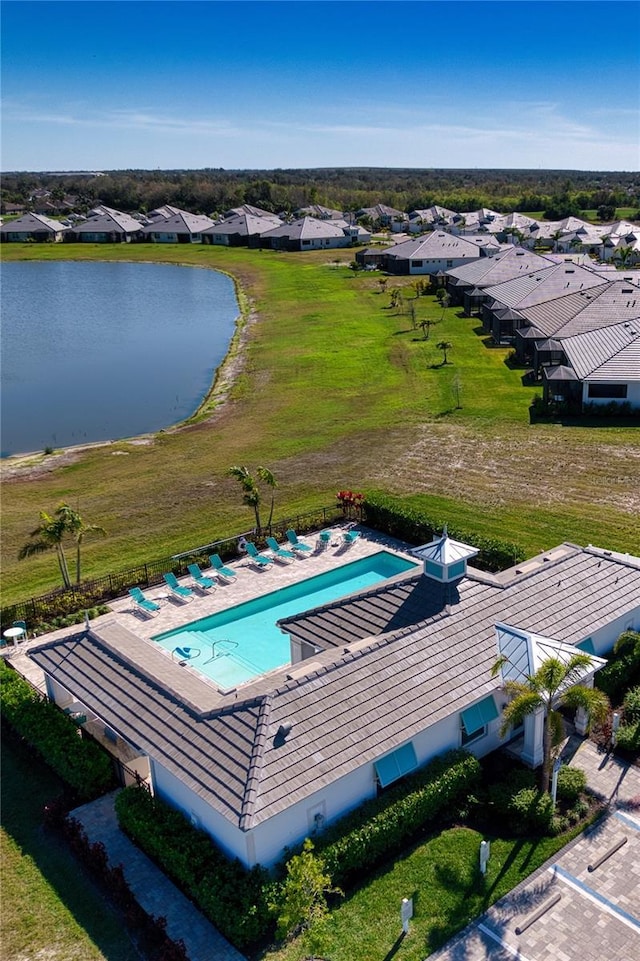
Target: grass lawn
x=335 y=389
x=442 y=877
x=49 y=909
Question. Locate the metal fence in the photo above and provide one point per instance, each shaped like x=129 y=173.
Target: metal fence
x=90 y=594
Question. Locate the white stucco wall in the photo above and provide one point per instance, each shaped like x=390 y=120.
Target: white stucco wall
x=633 y=394
x=432 y=265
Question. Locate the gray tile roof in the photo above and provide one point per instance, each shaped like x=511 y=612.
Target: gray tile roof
x=585 y=310
x=306 y=228
x=545 y=285
x=245 y=225
x=180 y=223
x=436 y=245
x=612 y=353
x=504 y=266
x=31 y=223
x=391 y=662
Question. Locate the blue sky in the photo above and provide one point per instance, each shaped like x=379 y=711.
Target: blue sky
x=113 y=84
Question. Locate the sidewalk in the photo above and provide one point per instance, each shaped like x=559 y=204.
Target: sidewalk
x=573 y=908
x=152 y=889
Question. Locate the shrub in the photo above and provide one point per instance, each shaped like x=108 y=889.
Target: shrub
x=628 y=738
x=532 y=811
x=631 y=705
x=571 y=784
x=619 y=674
x=232 y=897
x=81 y=763
x=380 y=828
x=392 y=516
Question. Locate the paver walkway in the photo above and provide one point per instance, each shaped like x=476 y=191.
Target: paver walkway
x=152 y=889
x=597 y=913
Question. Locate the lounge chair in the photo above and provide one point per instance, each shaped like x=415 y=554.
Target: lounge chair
x=349 y=537
x=199 y=580
x=149 y=607
x=219 y=569
x=324 y=539
x=184 y=593
x=256 y=557
x=297 y=545
x=279 y=553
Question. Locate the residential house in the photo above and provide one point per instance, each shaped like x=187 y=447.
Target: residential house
x=34 y=227
x=380 y=682
x=384 y=216
x=319 y=212
x=309 y=234
x=179 y=228
x=241 y=230
x=110 y=226
x=598 y=367
x=465 y=285
x=432 y=253
x=431 y=218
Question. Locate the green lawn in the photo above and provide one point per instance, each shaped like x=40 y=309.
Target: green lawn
x=442 y=877
x=335 y=390
x=49 y=908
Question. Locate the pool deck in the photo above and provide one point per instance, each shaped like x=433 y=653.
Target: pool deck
x=251 y=582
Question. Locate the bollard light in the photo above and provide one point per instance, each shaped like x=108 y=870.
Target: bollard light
x=406 y=913
x=485 y=854
x=557 y=764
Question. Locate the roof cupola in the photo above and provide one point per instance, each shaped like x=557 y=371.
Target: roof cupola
x=445 y=559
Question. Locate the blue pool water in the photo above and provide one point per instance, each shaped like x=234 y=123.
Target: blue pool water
x=235 y=645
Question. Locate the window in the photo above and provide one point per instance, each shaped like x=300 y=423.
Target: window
x=474 y=719
x=417 y=263
x=305 y=243
x=393 y=766
x=608 y=390
x=587 y=646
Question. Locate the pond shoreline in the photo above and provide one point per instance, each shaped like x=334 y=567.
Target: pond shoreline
x=38 y=463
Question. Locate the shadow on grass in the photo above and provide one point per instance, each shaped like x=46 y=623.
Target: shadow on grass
x=27 y=785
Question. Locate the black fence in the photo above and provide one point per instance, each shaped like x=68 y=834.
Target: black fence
x=91 y=594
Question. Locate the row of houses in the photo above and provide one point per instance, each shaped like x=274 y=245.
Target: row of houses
x=243 y=226
x=576 y=324
x=315 y=227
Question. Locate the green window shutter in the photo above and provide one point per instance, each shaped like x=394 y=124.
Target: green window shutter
x=395 y=765
x=587 y=646
x=476 y=716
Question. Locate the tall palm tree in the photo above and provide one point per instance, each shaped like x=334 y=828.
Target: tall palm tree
x=48 y=535
x=553 y=685
x=266 y=475
x=79 y=534
x=250 y=492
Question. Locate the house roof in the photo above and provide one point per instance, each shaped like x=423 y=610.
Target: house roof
x=390 y=662
x=245 y=225
x=511 y=263
x=31 y=223
x=544 y=285
x=436 y=245
x=584 y=310
x=111 y=221
x=307 y=228
x=612 y=353
x=525 y=652
x=180 y=223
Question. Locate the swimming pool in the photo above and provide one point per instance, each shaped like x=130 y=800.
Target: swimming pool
x=241 y=643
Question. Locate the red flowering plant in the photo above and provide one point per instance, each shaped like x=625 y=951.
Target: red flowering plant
x=351 y=504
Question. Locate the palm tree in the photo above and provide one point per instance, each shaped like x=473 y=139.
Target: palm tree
x=444 y=346
x=48 y=535
x=553 y=685
x=250 y=492
x=266 y=475
x=79 y=533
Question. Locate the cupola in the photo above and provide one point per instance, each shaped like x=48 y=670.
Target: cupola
x=445 y=559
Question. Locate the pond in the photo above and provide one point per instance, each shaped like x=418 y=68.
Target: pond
x=102 y=351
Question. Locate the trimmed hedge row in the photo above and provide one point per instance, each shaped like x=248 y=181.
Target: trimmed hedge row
x=391 y=516
x=232 y=897
x=236 y=899
x=381 y=827
x=81 y=763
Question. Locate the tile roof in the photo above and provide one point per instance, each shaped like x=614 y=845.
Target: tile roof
x=612 y=353
x=504 y=266
x=544 y=285
x=306 y=228
x=180 y=222
x=437 y=244
x=33 y=222
x=391 y=661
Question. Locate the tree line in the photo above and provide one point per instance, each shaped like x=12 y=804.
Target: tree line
x=213 y=191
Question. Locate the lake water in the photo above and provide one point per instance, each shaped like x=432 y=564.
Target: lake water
x=101 y=351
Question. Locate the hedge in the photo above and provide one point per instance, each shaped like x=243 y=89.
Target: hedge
x=392 y=516
x=232 y=897
x=236 y=899
x=81 y=763
x=381 y=827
